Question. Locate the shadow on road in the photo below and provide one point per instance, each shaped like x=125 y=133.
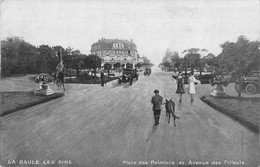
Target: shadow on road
x=154 y=128
x=126 y=85
x=115 y=84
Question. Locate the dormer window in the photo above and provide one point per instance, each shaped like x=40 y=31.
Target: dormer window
x=118 y=45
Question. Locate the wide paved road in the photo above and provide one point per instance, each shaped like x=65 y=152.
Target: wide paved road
x=113 y=126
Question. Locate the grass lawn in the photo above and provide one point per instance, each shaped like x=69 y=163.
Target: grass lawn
x=245 y=110
x=16 y=100
x=16 y=93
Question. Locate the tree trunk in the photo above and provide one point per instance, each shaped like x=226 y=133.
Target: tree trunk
x=77 y=69
x=185 y=69
x=240 y=83
x=200 y=71
x=95 y=72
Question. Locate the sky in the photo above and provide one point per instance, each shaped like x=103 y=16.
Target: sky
x=153 y=25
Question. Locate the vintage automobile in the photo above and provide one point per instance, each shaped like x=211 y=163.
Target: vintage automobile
x=128 y=75
x=204 y=79
x=147 y=71
x=250 y=84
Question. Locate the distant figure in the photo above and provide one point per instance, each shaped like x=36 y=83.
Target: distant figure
x=180 y=86
x=59 y=68
x=157 y=102
x=192 y=81
x=60 y=77
x=102 y=77
x=60 y=65
x=175 y=74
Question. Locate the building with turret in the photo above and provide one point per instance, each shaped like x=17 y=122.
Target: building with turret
x=116 y=51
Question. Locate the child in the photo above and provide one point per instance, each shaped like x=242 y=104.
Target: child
x=157 y=102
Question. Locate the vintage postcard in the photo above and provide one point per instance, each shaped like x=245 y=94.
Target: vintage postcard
x=125 y=83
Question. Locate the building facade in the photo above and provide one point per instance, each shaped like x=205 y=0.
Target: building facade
x=116 y=51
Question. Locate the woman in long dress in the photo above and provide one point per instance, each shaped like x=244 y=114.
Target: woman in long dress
x=180 y=86
x=192 y=81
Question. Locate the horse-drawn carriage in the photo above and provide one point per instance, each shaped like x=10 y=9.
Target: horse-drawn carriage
x=128 y=75
x=147 y=71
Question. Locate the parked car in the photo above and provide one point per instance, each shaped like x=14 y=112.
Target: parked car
x=112 y=74
x=204 y=79
x=250 y=84
x=128 y=75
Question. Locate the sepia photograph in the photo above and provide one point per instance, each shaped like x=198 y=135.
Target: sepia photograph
x=129 y=83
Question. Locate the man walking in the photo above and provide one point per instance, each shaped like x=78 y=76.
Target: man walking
x=157 y=102
x=102 y=76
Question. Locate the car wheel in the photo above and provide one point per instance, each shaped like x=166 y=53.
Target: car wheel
x=250 y=89
x=238 y=87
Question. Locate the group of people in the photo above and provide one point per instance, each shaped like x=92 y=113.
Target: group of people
x=180 y=85
x=157 y=100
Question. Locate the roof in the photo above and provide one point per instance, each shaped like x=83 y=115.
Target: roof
x=108 y=44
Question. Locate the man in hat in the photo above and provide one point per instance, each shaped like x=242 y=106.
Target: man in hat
x=102 y=77
x=157 y=102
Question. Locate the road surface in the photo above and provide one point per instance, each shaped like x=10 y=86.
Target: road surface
x=113 y=126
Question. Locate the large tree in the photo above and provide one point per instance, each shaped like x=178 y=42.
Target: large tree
x=243 y=57
x=18 y=57
x=211 y=62
x=48 y=59
x=94 y=62
x=171 y=60
x=243 y=54
x=193 y=59
x=108 y=67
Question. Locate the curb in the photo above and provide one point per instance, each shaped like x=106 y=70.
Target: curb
x=30 y=104
x=235 y=117
x=76 y=81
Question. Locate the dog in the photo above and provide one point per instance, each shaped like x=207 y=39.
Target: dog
x=170 y=109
